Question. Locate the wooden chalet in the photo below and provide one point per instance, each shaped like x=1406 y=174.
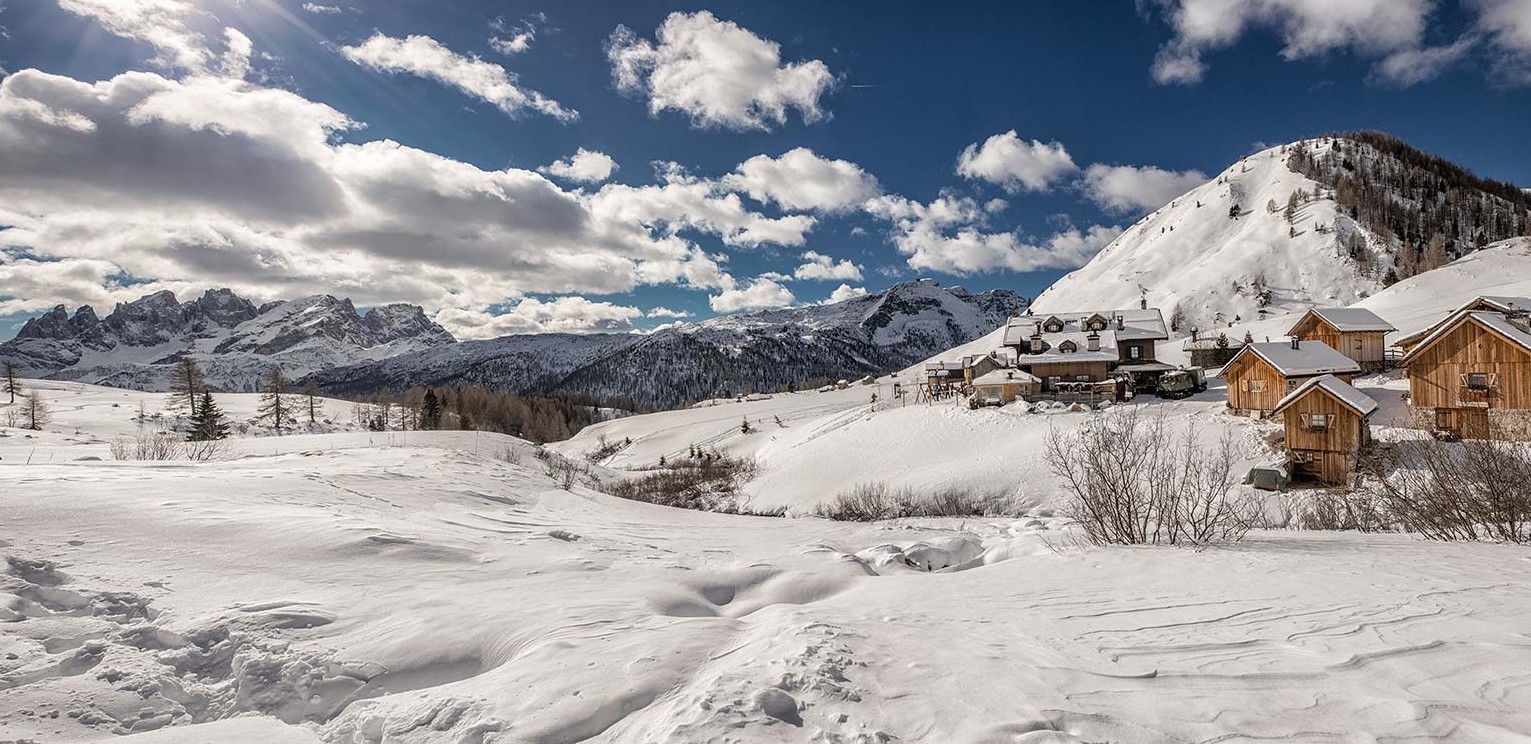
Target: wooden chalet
x=1261 y=374
x=1084 y=352
x=1327 y=424
x=1470 y=375
x=1003 y=386
x=1485 y=303
x=1355 y=332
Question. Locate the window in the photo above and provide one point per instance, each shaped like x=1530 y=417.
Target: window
x=1315 y=421
x=1292 y=385
x=1068 y=347
x=1082 y=378
x=1478 y=380
x=1254 y=386
x=1134 y=352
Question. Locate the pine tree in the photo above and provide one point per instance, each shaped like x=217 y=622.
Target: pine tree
x=35 y=411
x=313 y=402
x=275 y=408
x=207 y=421
x=430 y=411
x=186 y=385
x=12 y=383
x=1234 y=212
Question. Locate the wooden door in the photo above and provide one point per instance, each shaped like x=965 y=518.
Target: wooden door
x=1473 y=423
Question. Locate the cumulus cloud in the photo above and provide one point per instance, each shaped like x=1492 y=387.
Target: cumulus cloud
x=760 y=293
x=1374 y=28
x=716 y=73
x=947 y=235
x=584 y=166
x=664 y=312
x=531 y=315
x=141 y=182
x=1129 y=188
x=1015 y=164
x=845 y=292
x=159 y=23
x=819 y=267
x=428 y=58
x=801 y=180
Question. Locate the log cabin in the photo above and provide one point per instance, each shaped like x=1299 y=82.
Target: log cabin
x=1471 y=376
x=1483 y=303
x=1261 y=374
x=1355 y=332
x=1327 y=423
x=1066 y=350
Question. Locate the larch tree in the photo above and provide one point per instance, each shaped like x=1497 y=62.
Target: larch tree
x=187 y=384
x=35 y=411
x=276 y=408
x=12 y=383
x=313 y=402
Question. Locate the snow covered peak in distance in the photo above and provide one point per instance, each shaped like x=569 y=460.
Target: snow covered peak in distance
x=1320 y=222
x=135 y=345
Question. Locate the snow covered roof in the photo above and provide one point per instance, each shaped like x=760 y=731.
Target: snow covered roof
x=1003 y=376
x=1079 y=341
x=1344 y=392
x=1495 y=322
x=1352 y=319
x=1307 y=358
x=1493 y=303
x=943 y=366
x=1144 y=324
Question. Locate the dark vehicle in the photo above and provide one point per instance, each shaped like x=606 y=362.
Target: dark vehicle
x=1182 y=383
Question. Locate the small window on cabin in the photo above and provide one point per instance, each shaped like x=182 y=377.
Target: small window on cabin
x=1134 y=352
x=1082 y=378
x=1067 y=347
x=1292 y=385
x=1316 y=421
x=1054 y=326
x=1254 y=386
x=1097 y=325
x=1477 y=381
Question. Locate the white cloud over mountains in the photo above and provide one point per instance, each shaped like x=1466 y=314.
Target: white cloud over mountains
x=1391 y=32
x=801 y=180
x=717 y=73
x=1128 y=188
x=428 y=58
x=1015 y=164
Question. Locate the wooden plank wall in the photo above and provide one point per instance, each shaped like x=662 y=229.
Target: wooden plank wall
x=1435 y=374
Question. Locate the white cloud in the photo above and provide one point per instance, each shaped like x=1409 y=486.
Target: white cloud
x=208 y=182
x=845 y=292
x=317 y=9
x=531 y=315
x=718 y=74
x=1128 y=188
x=515 y=44
x=1507 y=24
x=1308 y=28
x=664 y=312
x=819 y=267
x=426 y=57
x=235 y=62
x=760 y=293
x=1413 y=66
x=584 y=166
x=159 y=23
x=947 y=236
x=1015 y=164
x=801 y=180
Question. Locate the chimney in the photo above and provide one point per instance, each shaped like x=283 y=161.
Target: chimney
x=1294 y=343
x=1120 y=322
x=1520 y=320
x=1094 y=342
x=1143 y=302
x=1194 y=333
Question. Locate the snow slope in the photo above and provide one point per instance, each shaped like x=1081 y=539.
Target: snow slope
x=1413 y=304
x=422 y=593
x=1190 y=254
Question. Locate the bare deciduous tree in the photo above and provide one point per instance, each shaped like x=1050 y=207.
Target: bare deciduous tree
x=1131 y=482
x=1469 y=490
x=35 y=413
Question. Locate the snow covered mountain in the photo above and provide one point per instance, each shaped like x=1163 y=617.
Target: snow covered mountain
x=872 y=334
x=1325 y=221
x=234 y=340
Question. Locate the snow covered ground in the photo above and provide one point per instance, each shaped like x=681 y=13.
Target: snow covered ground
x=352 y=586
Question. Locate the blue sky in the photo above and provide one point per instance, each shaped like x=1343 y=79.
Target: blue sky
x=765 y=153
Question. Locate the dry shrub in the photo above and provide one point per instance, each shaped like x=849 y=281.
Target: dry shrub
x=1339 y=509
x=148 y=446
x=1469 y=490
x=710 y=483
x=871 y=502
x=1131 y=482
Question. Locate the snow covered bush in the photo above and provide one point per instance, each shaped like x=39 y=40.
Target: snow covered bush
x=871 y=502
x=148 y=446
x=1131 y=481
x=710 y=483
x=1469 y=490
